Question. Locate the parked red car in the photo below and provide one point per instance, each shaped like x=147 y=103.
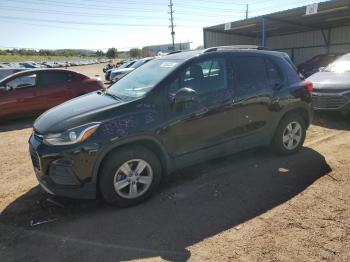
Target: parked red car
x=34 y=91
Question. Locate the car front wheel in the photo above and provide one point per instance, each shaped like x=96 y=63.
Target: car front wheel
x=129 y=176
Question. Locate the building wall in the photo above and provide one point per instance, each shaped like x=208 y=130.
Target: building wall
x=154 y=50
x=300 y=46
x=219 y=39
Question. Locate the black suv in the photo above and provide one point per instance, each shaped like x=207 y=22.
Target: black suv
x=173 y=112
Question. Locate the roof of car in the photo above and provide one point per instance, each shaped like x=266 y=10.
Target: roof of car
x=185 y=55
x=37 y=70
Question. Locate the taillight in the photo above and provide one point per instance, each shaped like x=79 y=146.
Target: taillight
x=309 y=86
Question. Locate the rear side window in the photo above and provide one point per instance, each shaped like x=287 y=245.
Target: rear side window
x=250 y=75
x=274 y=74
x=54 y=78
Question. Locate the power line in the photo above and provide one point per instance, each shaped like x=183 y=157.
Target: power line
x=53 y=3
x=153 y=3
x=87 y=14
x=89 y=23
x=54 y=26
x=76 y=22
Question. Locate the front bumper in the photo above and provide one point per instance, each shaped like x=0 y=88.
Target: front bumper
x=64 y=171
x=331 y=102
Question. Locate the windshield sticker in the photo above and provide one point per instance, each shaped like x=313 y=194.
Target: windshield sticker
x=168 y=64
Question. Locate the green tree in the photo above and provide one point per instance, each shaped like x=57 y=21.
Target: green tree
x=111 y=52
x=135 y=52
x=99 y=53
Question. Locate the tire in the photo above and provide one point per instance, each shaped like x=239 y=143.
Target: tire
x=280 y=143
x=119 y=171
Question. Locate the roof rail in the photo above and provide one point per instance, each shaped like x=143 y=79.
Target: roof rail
x=174 y=52
x=233 y=47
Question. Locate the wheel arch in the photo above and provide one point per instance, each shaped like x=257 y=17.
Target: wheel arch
x=148 y=142
x=301 y=111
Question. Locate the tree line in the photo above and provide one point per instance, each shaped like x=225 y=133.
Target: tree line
x=111 y=52
x=46 y=52
x=114 y=53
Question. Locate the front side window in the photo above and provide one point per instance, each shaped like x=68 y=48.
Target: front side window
x=203 y=77
x=22 y=82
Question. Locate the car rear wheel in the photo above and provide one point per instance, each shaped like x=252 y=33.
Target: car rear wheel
x=290 y=135
x=129 y=176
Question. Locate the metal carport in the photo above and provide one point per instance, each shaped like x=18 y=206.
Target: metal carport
x=294 y=31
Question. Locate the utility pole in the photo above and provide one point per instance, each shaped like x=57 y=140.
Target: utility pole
x=246 y=11
x=172 y=23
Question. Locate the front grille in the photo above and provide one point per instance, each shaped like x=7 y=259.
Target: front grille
x=35 y=158
x=330 y=90
x=329 y=101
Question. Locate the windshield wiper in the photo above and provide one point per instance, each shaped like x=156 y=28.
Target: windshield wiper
x=113 y=95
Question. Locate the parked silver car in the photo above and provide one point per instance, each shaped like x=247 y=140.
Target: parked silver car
x=117 y=74
x=332 y=86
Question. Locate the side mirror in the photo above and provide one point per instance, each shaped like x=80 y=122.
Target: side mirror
x=278 y=86
x=184 y=95
x=322 y=69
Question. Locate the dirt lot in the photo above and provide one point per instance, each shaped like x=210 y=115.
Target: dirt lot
x=252 y=206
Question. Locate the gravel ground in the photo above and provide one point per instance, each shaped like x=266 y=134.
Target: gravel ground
x=252 y=206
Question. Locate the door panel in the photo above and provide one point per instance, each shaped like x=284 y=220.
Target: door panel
x=53 y=88
x=208 y=120
x=21 y=96
x=253 y=96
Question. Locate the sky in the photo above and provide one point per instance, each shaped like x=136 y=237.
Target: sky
x=124 y=24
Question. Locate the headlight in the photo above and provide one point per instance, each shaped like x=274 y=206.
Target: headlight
x=347 y=94
x=71 y=136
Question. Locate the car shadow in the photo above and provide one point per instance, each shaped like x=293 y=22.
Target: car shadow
x=17 y=124
x=332 y=120
x=192 y=205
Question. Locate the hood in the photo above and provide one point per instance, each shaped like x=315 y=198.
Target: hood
x=330 y=80
x=75 y=112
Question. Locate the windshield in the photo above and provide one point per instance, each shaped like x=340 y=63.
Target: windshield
x=141 y=81
x=139 y=63
x=340 y=65
x=127 y=64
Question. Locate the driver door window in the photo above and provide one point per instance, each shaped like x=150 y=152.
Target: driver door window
x=22 y=82
x=203 y=77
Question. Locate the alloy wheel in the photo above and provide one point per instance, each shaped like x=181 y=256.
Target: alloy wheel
x=292 y=135
x=133 y=178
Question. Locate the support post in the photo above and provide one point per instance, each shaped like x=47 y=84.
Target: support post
x=263 y=32
x=246 y=11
